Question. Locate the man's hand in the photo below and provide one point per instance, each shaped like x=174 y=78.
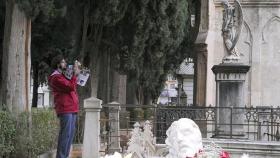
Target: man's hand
x=77 y=67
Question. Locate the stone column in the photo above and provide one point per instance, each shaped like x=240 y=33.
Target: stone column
x=200 y=74
x=230 y=80
x=114 y=138
x=119 y=88
x=91 y=142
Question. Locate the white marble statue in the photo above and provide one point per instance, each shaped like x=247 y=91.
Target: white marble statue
x=231 y=29
x=183 y=139
x=135 y=144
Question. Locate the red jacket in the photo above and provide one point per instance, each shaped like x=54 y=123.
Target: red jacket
x=64 y=92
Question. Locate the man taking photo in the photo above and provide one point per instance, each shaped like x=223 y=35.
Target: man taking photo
x=66 y=103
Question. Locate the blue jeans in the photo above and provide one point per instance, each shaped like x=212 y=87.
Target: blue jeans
x=66 y=134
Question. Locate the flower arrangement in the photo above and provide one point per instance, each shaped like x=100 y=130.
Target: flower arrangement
x=212 y=151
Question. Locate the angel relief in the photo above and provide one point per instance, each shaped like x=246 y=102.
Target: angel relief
x=231 y=29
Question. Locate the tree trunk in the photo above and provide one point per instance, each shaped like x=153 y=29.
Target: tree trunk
x=140 y=94
x=35 y=84
x=131 y=97
x=2 y=21
x=75 y=11
x=85 y=32
x=118 y=87
x=102 y=75
x=148 y=99
x=16 y=59
x=95 y=36
x=94 y=69
x=108 y=77
x=81 y=23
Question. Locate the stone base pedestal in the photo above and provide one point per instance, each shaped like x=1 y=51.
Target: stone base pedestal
x=230 y=81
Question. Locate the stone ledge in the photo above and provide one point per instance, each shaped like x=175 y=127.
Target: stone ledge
x=230 y=68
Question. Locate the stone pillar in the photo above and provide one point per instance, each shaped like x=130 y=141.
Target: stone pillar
x=200 y=74
x=114 y=117
x=230 y=81
x=119 y=88
x=91 y=142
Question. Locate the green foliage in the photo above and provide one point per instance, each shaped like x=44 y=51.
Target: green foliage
x=109 y=12
x=48 y=40
x=138 y=114
x=7 y=134
x=33 y=8
x=49 y=35
x=147 y=39
x=22 y=139
x=52 y=34
x=44 y=130
x=153 y=38
x=148 y=113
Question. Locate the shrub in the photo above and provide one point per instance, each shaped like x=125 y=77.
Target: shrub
x=148 y=113
x=138 y=114
x=26 y=136
x=38 y=138
x=7 y=133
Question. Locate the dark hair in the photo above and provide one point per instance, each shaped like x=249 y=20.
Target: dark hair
x=56 y=60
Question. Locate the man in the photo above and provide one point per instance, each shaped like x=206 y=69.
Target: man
x=66 y=104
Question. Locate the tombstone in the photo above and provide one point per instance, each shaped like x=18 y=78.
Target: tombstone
x=230 y=76
x=230 y=83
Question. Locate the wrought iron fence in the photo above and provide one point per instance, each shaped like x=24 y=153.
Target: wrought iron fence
x=128 y=116
x=252 y=123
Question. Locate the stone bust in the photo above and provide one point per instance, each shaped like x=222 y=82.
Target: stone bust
x=183 y=139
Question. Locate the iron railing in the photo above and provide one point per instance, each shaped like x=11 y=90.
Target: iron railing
x=251 y=123
x=259 y=123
